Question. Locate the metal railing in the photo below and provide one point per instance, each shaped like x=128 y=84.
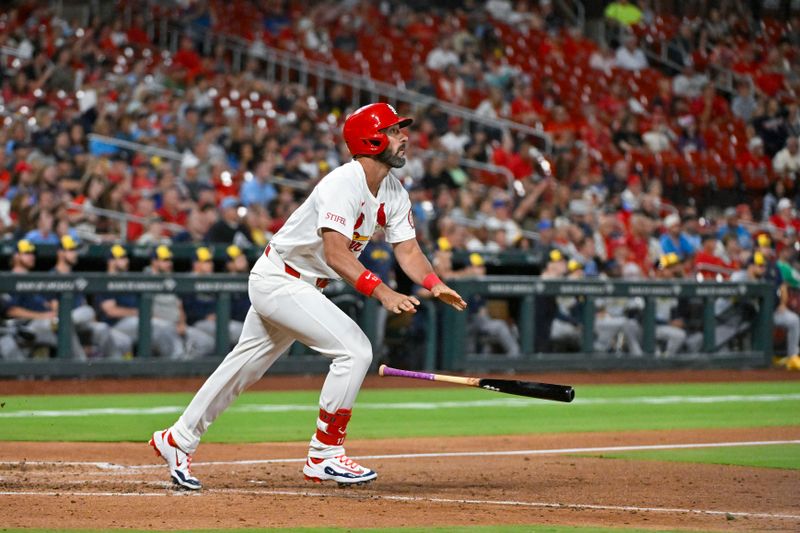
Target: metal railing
x=477 y=165
x=169 y=35
x=137 y=147
x=119 y=216
x=177 y=156
x=723 y=79
x=575 y=10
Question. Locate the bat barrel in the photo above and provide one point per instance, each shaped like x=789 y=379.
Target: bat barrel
x=532 y=389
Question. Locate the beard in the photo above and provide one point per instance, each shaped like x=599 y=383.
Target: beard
x=391 y=159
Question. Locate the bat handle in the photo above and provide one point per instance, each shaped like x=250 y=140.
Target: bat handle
x=389 y=371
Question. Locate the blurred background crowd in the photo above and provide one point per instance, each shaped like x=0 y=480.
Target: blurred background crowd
x=667 y=132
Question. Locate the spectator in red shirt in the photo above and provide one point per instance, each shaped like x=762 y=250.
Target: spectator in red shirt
x=451 y=86
x=707 y=264
x=520 y=163
x=638 y=241
x=136 y=33
x=755 y=168
x=708 y=106
x=561 y=128
x=171 y=210
x=524 y=107
x=188 y=59
x=145 y=208
x=784 y=218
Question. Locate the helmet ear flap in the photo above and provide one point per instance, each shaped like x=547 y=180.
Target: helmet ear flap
x=376 y=143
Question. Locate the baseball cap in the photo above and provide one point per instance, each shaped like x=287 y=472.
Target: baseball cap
x=758 y=259
x=203 y=254
x=22 y=166
x=229 y=201
x=573 y=265
x=784 y=203
x=68 y=243
x=163 y=253
x=118 y=251
x=672 y=220
x=476 y=259
x=500 y=202
x=579 y=207
x=25 y=246
x=668 y=260
x=233 y=251
x=755 y=142
x=763 y=240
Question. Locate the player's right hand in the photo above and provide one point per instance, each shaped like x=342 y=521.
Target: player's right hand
x=397 y=303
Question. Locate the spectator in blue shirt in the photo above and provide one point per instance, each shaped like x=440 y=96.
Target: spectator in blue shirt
x=258 y=190
x=43 y=234
x=674 y=240
x=732 y=226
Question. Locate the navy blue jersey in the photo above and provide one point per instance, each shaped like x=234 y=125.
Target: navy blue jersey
x=122 y=300
x=29 y=301
x=198 y=306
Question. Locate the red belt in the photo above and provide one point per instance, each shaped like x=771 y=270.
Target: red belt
x=320 y=283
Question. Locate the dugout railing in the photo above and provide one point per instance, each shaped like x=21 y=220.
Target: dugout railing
x=525 y=291
x=445 y=331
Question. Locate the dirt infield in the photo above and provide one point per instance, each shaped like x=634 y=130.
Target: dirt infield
x=79 y=485
x=544 y=479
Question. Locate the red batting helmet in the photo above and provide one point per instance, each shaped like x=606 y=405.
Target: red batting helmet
x=362 y=128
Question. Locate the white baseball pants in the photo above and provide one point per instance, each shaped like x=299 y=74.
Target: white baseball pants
x=283 y=309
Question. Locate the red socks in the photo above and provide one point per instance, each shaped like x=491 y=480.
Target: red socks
x=332 y=428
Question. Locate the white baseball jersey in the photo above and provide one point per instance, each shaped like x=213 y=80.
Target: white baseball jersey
x=343 y=202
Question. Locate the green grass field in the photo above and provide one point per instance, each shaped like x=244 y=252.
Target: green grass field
x=775 y=456
x=423 y=412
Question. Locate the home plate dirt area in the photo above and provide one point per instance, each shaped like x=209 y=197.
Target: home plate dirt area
x=550 y=480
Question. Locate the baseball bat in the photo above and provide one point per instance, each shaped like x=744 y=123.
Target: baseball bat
x=532 y=389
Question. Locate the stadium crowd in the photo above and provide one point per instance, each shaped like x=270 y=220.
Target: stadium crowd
x=652 y=165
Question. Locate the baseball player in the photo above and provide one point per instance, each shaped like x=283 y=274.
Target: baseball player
x=201 y=308
x=39 y=313
x=109 y=342
x=321 y=240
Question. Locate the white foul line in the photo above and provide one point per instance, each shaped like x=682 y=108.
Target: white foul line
x=388 y=497
x=545 y=451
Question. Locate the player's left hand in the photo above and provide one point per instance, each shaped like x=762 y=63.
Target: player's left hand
x=448 y=296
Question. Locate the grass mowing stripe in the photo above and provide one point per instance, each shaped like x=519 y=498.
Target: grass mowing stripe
x=374 y=419
x=785 y=456
x=425 y=406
